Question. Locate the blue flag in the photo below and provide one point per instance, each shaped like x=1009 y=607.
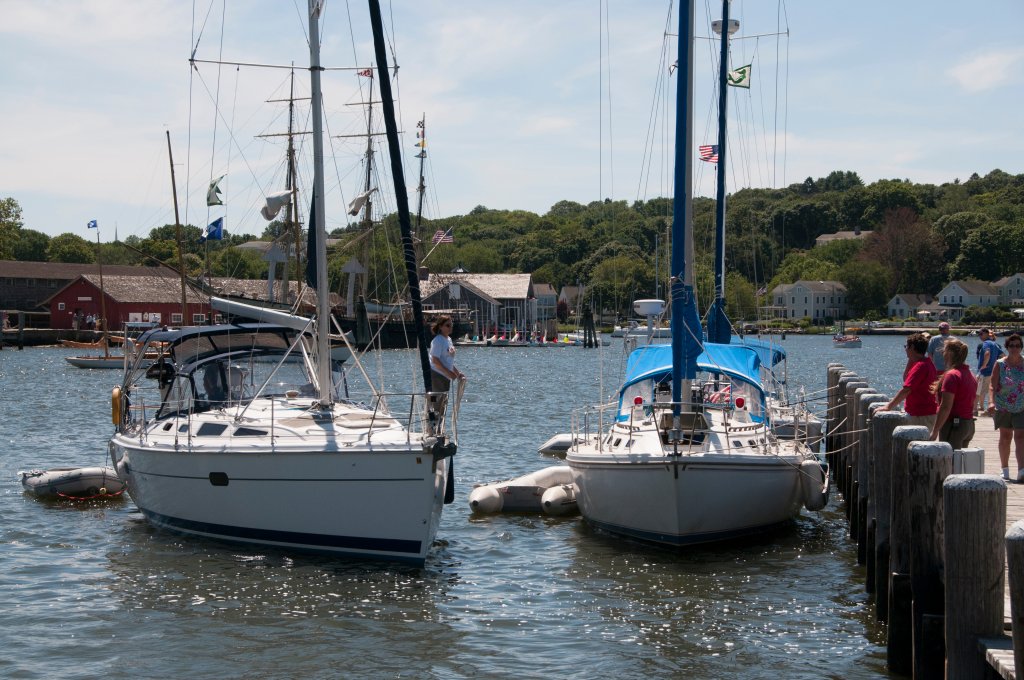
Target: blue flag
x=92 y=225
x=214 y=231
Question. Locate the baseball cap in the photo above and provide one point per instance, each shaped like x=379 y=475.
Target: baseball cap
x=943 y=326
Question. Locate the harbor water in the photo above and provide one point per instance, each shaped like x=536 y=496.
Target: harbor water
x=91 y=590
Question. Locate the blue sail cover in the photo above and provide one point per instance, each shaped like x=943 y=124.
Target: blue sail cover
x=655 y=362
x=771 y=353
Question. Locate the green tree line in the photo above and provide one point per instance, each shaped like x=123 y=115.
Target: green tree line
x=922 y=236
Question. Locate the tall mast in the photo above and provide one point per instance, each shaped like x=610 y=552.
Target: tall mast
x=686 y=329
x=103 y=296
x=368 y=206
x=401 y=197
x=718 y=323
x=291 y=211
x=177 y=233
x=422 y=155
x=319 y=217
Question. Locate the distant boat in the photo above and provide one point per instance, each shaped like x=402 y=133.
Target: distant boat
x=846 y=341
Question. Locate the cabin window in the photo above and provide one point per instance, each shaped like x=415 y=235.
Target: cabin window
x=737 y=443
x=249 y=432
x=211 y=429
x=60 y=306
x=198 y=319
x=618 y=441
x=175 y=317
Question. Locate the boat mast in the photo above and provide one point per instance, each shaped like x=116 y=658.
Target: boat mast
x=718 y=323
x=323 y=307
x=292 y=210
x=103 y=296
x=422 y=155
x=177 y=231
x=401 y=195
x=686 y=329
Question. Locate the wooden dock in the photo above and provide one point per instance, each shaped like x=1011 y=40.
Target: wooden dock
x=936 y=530
x=999 y=651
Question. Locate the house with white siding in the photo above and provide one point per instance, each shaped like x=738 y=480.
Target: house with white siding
x=816 y=300
x=1010 y=289
x=957 y=296
x=907 y=305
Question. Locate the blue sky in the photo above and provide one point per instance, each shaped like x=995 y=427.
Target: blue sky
x=521 y=111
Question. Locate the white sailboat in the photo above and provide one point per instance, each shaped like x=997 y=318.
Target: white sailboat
x=689 y=455
x=244 y=431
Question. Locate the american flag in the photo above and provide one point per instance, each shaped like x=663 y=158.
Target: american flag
x=709 y=153
x=442 y=236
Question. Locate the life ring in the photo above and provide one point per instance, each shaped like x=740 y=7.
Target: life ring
x=115 y=406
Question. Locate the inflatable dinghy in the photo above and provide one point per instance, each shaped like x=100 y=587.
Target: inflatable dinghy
x=549 y=490
x=80 y=483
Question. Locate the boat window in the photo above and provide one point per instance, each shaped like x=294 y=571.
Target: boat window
x=211 y=429
x=618 y=441
x=751 y=442
x=249 y=432
x=737 y=443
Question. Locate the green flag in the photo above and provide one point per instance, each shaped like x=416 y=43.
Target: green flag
x=741 y=76
x=213 y=193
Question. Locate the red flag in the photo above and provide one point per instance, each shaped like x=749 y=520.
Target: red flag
x=366 y=73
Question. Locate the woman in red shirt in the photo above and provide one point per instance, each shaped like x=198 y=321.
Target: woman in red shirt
x=955 y=420
x=918 y=379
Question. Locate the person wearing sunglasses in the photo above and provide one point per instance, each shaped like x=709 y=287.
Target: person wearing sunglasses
x=442 y=356
x=918 y=377
x=1007 y=405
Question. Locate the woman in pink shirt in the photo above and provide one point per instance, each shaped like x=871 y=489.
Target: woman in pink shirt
x=918 y=378
x=955 y=420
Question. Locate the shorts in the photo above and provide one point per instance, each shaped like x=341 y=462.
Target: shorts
x=984 y=382
x=924 y=421
x=1005 y=419
x=439 y=383
x=958 y=432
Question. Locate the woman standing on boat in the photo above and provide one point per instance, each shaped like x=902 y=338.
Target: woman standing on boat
x=955 y=420
x=918 y=378
x=1007 y=405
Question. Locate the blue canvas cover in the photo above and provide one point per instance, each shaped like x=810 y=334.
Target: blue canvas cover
x=655 y=361
x=771 y=353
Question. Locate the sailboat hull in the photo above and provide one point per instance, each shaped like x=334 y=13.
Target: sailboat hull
x=686 y=499
x=382 y=503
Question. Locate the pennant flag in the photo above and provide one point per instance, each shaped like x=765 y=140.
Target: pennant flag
x=366 y=73
x=709 y=153
x=359 y=201
x=214 y=231
x=421 y=154
x=275 y=202
x=419 y=123
x=442 y=236
x=421 y=144
x=213 y=193
x=741 y=76
x=92 y=225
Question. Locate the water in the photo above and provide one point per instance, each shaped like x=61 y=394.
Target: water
x=92 y=590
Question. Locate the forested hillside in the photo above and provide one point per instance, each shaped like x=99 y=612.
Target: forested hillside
x=923 y=235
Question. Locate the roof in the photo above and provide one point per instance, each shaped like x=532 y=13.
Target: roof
x=840 y=236
x=546 y=289
x=914 y=299
x=69 y=270
x=655 y=362
x=974 y=287
x=465 y=284
x=167 y=289
x=1007 y=279
x=497 y=286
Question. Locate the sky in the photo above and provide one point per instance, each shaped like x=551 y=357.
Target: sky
x=527 y=103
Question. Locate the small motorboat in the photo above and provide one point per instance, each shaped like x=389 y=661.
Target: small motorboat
x=846 y=341
x=80 y=483
x=550 y=490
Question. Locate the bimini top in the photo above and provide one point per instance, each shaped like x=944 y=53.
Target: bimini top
x=771 y=353
x=192 y=343
x=655 y=362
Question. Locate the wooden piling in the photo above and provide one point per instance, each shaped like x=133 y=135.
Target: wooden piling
x=974 y=510
x=838 y=463
x=882 y=426
x=863 y=481
x=900 y=643
x=1015 y=562
x=850 y=439
x=929 y=464
x=831 y=418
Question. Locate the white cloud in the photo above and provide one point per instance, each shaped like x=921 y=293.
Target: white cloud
x=990 y=70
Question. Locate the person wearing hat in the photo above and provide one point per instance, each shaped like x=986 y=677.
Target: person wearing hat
x=936 y=345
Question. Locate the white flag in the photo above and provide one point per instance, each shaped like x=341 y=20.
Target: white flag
x=741 y=76
x=359 y=201
x=213 y=193
x=275 y=202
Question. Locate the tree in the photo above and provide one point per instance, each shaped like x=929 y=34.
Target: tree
x=10 y=225
x=70 y=248
x=867 y=286
x=954 y=229
x=30 y=246
x=562 y=310
x=908 y=249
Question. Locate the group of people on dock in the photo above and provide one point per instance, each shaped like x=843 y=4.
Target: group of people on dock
x=941 y=393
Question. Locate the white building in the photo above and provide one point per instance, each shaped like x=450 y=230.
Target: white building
x=816 y=300
x=1010 y=289
x=907 y=305
x=957 y=296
